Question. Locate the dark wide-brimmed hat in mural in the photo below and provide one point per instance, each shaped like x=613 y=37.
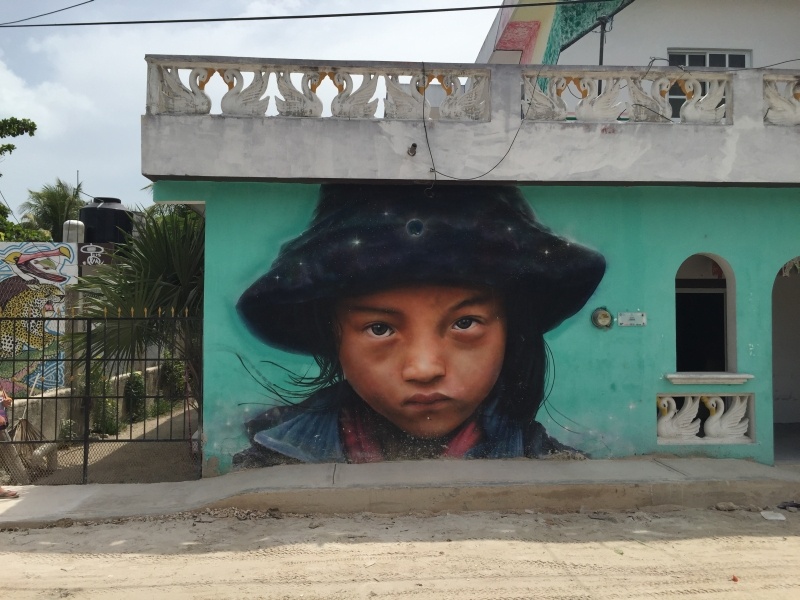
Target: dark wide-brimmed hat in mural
x=369 y=237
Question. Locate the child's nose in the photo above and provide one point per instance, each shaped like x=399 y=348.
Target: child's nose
x=424 y=363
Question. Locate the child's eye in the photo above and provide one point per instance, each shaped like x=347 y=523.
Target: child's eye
x=465 y=323
x=380 y=329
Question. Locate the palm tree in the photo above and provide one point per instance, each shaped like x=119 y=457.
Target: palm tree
x=157 y=273
x=51 y=206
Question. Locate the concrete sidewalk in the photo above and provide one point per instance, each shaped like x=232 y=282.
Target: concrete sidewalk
x=421 y=486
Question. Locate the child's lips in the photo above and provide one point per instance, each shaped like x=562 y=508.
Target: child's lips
x=426 y=400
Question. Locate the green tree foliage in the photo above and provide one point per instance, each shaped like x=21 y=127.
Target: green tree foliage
x=12 y=232
x=134 y=397
x=104 y=413
x=13 y=127
x=51 y=206
x=157 y=271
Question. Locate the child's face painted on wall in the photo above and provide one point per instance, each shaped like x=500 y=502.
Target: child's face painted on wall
x=423 y=356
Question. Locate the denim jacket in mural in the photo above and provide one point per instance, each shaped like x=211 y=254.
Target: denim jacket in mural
x=311 y=432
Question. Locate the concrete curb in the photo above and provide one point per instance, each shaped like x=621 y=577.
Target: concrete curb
x=557 y=498
x=423 y=486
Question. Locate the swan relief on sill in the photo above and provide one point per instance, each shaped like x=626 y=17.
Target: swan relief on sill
x=726 y=422
x=674 y=423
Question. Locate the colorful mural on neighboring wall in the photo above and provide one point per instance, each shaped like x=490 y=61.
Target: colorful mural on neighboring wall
x=425 y=310
x=571 y=22
x=33 y=279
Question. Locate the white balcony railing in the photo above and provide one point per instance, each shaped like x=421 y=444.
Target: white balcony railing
x=625 y=94
x=550 y=93
x=256 y=89
x=270 y=119
x=782 y=98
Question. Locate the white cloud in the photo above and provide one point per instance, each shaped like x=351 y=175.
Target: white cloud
x=85 y=86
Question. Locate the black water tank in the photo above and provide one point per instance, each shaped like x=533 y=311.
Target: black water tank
x=106 y=220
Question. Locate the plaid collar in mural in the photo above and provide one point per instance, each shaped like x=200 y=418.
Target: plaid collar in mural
x=311 y=433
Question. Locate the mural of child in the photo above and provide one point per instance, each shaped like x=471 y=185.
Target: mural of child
x=425 y=310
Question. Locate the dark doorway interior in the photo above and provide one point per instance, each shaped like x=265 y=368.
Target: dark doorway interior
x=785 y=360
x=700 y=330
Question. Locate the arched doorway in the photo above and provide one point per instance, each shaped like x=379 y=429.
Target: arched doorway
x=786 y=362
x=704 y=310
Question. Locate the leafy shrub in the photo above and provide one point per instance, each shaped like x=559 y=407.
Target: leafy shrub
x=172 y=378
x=134 y=397
x=68 y=430
x=172 y=386
x=104 y=415
x=105 y=419
x=160 y=406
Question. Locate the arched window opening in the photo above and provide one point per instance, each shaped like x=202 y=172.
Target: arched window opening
x=704 y=310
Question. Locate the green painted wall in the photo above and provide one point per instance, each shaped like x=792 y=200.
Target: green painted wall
x=604 y=381
x=608 y=384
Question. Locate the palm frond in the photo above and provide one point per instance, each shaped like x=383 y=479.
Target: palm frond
x=52 y=205
x=157 y=273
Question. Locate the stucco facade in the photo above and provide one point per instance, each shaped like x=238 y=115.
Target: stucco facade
x=693 y=211
x=605 y=381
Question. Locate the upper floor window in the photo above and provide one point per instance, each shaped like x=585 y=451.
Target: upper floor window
x=728 y=59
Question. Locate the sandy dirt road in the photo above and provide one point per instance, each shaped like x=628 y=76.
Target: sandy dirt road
x=661 y=553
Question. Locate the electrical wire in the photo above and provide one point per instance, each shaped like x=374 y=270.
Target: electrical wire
x=653 y=59
x=52 y=12
x=783 y=62
x=688 y=72
x=312 y=16
x=9 y=207
x=435 y=171
x=428 y=191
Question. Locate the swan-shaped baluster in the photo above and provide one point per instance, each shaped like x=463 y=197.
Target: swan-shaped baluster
x=399 y=104
x=546 y=107
x=725 y=424
x=705 y=109
x=451 y=85
x=783 y=109
x=464 y=105
x=673 y=423
x=175 y=98
x=603 y=107
x=352 y=104
x=247 y=101
x=653 y=107
x=299 y=103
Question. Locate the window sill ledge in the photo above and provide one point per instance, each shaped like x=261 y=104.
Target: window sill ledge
x=702 y=378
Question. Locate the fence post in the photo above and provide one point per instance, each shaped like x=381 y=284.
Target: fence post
x=87 y=401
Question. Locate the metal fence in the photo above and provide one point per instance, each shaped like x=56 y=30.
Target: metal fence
x=106 y=400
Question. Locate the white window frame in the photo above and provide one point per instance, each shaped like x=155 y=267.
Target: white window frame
x=748 y=55
x=679 y=97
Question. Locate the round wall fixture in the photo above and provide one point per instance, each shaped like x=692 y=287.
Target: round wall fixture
x=601 y=318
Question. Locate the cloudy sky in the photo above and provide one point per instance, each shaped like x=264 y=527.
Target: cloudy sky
x=85 y=86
